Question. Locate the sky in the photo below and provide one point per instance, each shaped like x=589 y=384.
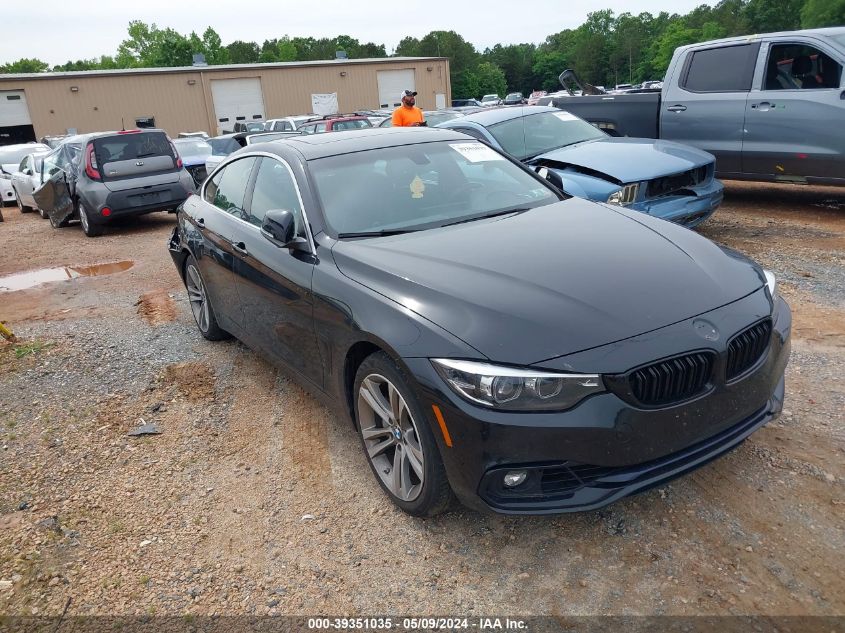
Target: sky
x=55 y=32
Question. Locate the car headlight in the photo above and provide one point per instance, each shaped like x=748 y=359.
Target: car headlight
x=771 y=283
x=625 y=196
x=514 y=389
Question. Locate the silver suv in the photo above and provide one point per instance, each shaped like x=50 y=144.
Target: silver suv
x=115 y=175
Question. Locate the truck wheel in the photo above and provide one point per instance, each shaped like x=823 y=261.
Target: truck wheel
x=90 y=229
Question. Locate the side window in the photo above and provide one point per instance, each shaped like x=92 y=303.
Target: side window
x=320 y=127
x=230 y=186
x=727 y=69
x=24 y=164
x=800 y=67
x=275 y=189
x=307 y=129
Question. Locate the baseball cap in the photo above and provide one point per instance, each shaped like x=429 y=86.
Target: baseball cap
x=408 y=93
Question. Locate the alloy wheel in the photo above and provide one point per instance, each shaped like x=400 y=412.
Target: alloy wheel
x=391 y=437
x=197 y=297
x=83 y=218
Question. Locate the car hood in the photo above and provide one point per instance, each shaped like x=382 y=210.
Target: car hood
x=630 y=159
x=553 y=280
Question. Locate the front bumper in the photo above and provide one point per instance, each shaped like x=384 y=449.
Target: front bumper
x=688 y=209
x=606 y=448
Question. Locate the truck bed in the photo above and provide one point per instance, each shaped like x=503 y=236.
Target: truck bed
x=639 y=118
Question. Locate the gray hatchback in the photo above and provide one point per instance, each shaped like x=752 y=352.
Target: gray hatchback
x=116 y=175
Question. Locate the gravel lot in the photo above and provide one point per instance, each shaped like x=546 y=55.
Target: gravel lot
x=254 y=499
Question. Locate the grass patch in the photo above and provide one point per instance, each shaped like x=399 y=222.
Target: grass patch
x=33 y=347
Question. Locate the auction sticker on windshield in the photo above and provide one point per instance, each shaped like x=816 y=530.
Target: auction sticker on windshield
x=565 y=116
x=475 y=152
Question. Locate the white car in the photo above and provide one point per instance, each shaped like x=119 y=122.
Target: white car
x=10 y=159
x=287 y=124
x=491 y=100
x=26 y=180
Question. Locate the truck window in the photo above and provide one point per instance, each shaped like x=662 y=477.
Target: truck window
x=727 y=69
x=800 y=67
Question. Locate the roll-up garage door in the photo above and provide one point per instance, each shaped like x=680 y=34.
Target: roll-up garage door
x=391 y=83
x=15 y=123
x=236 y=100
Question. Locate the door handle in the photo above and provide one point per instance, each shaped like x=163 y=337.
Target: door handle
x=842 y=95
x=201 y=222
x=677 y=108
x=240 y=247
x=763 y=106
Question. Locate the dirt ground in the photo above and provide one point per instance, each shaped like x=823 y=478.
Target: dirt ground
x=254 y=499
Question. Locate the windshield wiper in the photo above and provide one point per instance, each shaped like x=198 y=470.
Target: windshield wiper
x=381 y=233
x=488 y=215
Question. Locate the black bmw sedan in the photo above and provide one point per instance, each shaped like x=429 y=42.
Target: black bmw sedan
x=489 y=337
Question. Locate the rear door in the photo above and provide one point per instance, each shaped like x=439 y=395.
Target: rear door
x=220 y=212
x=274 y=283
x=704 y=105
x=795 y=117
x=21 y=181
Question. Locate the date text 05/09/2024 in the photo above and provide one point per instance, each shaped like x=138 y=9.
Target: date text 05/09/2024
x=418 y=624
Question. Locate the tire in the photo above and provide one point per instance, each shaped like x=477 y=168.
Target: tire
x=407 y=447
x=200 y=305
x=89 y=228
x=21 y=206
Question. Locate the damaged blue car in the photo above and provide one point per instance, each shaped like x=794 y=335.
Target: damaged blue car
x=665 y=179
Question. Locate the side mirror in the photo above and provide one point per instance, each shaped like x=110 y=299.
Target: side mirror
x=550 y=176
x=279 y=227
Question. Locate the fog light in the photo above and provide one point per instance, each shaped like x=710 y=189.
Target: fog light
x=515 y=477
x=106 y=212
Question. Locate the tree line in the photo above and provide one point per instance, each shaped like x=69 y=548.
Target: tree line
x=607 y=49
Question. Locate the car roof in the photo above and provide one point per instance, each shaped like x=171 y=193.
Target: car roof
x=323 y=145
x=491 y=116
x=829 y=32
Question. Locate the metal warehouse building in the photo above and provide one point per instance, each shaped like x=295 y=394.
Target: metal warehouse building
x=209 y=98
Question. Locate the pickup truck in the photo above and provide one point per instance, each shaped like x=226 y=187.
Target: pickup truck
x=769 y=107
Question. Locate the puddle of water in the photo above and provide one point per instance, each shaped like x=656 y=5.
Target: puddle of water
x=33 y=278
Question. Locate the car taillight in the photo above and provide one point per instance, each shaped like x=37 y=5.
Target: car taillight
x=91 y=163
x=176 y=154
x=106 y=212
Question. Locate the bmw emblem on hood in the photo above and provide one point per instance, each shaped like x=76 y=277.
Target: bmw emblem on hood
x=705 y=330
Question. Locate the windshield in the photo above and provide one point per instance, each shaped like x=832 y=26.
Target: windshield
x=9 y=155
x=130 y=146
x=192 y=147
x=414 y=187
x=223 y=146
x=534 y=134
x=490 y=98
